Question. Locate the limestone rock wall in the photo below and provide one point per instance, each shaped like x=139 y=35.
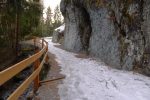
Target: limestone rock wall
x=146 y=33
x=116 y=31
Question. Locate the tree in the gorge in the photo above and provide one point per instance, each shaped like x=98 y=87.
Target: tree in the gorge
x=49 y=26
x=18 y=18
x=31 y=18
x=57 y=17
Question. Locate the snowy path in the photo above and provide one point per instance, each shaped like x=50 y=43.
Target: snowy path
x=87 y=79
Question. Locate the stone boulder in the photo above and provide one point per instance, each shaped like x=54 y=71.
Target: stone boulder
x=58 y=33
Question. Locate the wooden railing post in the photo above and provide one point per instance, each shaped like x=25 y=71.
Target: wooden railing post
x=47 y=58
x=36 y=65
x=36 y=80
x=42 y=43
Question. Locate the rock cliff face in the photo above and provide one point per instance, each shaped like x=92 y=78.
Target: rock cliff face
x=116 y=31
x=146 y=33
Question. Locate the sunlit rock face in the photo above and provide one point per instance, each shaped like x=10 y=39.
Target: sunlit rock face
x=116 y=31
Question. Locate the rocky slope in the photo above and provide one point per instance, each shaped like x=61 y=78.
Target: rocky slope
x=116 y=31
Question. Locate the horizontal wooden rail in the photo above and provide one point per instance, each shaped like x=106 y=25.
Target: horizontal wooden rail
x=17 y=68
x=27 y=82
x=14 y=70
x=51 y=80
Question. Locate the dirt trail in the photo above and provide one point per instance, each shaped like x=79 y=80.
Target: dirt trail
x=91 y=79
x=49 y=90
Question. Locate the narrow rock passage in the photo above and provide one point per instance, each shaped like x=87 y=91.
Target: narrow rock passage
x=89 y=79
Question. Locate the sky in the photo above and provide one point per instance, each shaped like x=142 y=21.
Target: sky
x=51 y=3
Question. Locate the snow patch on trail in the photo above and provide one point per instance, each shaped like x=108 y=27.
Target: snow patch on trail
x=88 y=79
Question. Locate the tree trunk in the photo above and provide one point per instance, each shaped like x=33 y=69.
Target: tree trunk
x=17 y=34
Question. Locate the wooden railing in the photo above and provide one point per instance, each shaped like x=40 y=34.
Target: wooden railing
x=10 y=72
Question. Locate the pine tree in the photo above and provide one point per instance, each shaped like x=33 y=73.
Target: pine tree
x=49 y=26
x=18 y=18
x=57 y=17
